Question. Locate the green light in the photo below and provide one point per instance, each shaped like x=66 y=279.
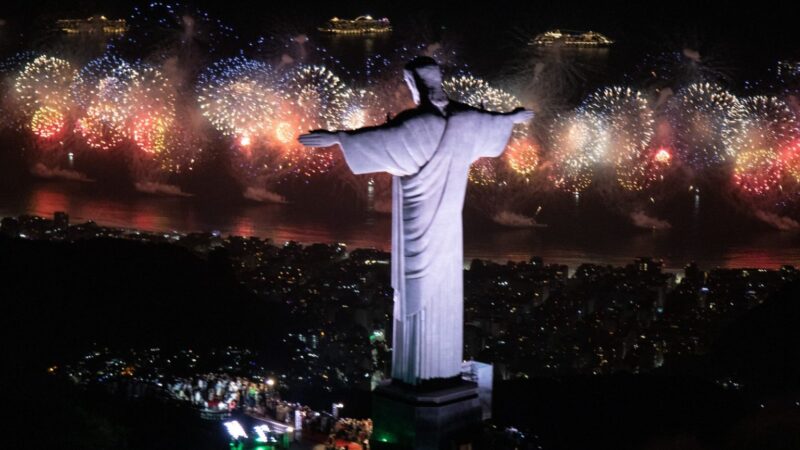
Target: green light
x=377 y=334
x=386 y=437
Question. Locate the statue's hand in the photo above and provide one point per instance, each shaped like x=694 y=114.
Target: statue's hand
x=521 y=115
x=319 y=138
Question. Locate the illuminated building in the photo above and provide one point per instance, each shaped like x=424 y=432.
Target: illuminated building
x=92 y=25
x=571 y=38
x=359 y=25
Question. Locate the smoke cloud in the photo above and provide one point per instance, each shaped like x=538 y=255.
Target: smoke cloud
x=780 y=222
x=152 y=187
x=42 y=171
x=642 y=220
x=262 y=195
x=511 y=219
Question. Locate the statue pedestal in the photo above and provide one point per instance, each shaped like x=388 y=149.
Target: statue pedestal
x=430 y=418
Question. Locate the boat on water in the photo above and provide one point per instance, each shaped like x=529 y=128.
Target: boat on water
x=360 y=25
x=571 y=38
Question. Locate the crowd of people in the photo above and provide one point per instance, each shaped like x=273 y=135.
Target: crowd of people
x=224 y=393
x=215 y=392
x=350 y=434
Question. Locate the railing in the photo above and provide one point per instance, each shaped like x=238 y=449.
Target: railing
x=214 y=415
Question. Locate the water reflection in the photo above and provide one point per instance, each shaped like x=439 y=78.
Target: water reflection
x=581 y=243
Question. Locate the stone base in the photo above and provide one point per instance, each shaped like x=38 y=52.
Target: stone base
x=447 y=416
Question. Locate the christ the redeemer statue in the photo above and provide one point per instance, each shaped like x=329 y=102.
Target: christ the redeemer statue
x=429 y=150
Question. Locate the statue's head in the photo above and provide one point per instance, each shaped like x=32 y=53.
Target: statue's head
x=424 y=78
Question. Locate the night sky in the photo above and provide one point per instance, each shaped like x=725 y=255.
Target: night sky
x=743 y=40
x=767 y=27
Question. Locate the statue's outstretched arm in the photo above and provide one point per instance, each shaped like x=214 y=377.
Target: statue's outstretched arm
x=368 y=149
x=320 y=138
x=521 y=115
x=326 y=138
x=518 y=115
x=494 y=130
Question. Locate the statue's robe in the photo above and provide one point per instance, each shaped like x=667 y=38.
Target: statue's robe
x=429 y=155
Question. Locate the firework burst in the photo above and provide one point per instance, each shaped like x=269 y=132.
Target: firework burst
x=40 y=90
x=790 y=160
x=97 y=77
x=43 y=82
x=772 y=119
x=104 y=88
x=704 y=119
x=769 y=128
x=365 y=109
x=628 y=121
x=150 y=132
x=318 y=90
x=521 y=155
x=184 y=146
x=101 y=128
x=153 y=110
x=47 y=122
x=757 y=170
x=478 y=93
x=315 y=99
x=578 y=144
x=238 y=98
x=483 y=172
